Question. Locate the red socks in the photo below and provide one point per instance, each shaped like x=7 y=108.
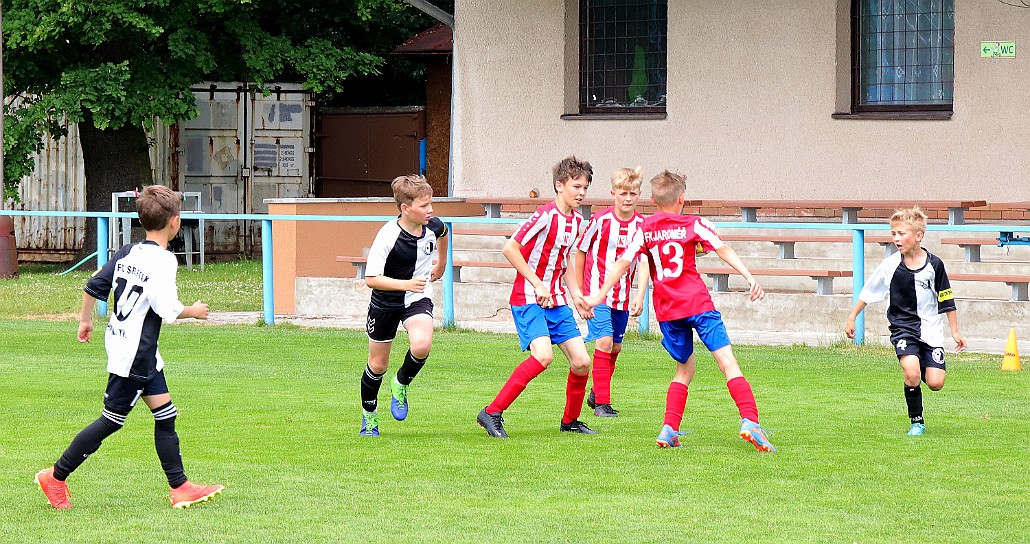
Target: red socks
x=603 y=368
x=740 y=390
x=575 y=390
x=516 y=384
x=675 y=403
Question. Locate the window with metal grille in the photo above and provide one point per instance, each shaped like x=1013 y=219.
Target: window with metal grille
x=622 y=56
x=903 y=55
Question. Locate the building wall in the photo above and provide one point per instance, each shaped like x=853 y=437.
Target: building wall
x=751 y=92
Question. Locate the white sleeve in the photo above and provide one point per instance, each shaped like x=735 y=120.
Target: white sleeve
x=878 y=286
x=165 y=293
x=380 y=250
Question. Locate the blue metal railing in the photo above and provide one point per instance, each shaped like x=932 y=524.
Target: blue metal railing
x=857 y=265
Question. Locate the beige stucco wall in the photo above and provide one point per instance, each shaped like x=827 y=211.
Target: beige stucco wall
x=751 y=92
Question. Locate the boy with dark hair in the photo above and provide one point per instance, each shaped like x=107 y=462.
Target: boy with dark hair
x=683 y=304
x=399 y=270
x=539 y=251
x=605 y=240
x=920 y=292
x=145 y=295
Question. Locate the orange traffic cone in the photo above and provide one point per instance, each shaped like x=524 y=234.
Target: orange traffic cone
x=1011 y=360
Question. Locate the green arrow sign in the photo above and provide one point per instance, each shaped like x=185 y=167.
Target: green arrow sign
x=998 y=49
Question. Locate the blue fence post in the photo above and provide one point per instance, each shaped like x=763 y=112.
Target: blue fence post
x=448 y=281
x=102 y=226
x=644 y=321
x=858 y=279
x=422 y=157
x=266 y=271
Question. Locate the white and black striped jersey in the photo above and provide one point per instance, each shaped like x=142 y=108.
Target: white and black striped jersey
x=397 y=254
x=143 y=279
x=918 y=298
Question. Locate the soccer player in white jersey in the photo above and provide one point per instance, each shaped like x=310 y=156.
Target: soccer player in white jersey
x=539 y=299
x=683 y=304
x=920 y=292
x=399 y=270
x=142 y=277
x=605 y=239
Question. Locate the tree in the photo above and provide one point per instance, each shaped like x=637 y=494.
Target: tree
x=114 y=66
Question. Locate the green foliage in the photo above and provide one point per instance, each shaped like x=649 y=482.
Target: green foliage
x=126 y=62
x=273 y=413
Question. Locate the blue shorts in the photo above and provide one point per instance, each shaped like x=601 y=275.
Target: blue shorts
x=533 y=321
x=607 y=322
x=678 y=335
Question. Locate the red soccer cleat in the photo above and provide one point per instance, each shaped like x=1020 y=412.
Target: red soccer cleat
x=55 y=490
x=189 y=493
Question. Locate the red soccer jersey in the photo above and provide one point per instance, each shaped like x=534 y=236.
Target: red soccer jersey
x=546 y=238
x=604 y=241
x=670 y=242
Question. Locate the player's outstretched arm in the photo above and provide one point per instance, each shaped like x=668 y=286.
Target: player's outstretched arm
x=730 y=257
x=620 y=267
x=960 y=341
x=849 y=327
x=86 y=318
x=197 y=310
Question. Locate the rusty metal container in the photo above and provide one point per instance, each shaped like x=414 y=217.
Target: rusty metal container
x=8 y=249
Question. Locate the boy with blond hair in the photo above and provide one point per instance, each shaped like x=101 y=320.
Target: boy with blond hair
x=142 y=277
x=919 y=292
x=400 y=270
x=605 y=239
x=539 y=251
x=683 y=304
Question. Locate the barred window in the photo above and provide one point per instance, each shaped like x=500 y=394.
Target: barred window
x=622 y=56
x=903 y=55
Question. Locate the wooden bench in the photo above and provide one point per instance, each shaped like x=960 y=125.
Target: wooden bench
x=786 y=242
x=971 y=246
x=493 y=206
x=824 y=278
x=359 y=263
x=1018 y=283
x=850 y=208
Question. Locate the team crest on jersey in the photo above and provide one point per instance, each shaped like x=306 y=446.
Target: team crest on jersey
x=563 y=239
x=902 y=344
x=623 y=240
x=428 y=248
x=923 y=284
x=938 y=355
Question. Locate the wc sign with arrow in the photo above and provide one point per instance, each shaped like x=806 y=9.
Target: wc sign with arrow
x=998 y=49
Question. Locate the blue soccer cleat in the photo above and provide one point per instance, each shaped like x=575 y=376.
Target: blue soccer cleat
x=369 y=424
x=917 y=429
x=399 y=402
x=669 y=438
x=752 y=432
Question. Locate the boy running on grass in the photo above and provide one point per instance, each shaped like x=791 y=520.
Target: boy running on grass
x=920 y=292
x=399 y=270
x=145 y=295
x=683 y=305
x=539 y=251
x=605 y=239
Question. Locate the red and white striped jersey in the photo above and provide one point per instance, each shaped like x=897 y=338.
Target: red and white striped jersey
x=670 y=242
x=547 y=239
x=604 y=241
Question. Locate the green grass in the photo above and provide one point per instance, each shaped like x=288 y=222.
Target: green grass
x=273 y=413
x=40 y=292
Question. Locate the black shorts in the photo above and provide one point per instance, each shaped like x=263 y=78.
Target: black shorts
x=929 y=357
x=123 y=393
x=381 y=325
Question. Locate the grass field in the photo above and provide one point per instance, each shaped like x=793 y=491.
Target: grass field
x=273 y=413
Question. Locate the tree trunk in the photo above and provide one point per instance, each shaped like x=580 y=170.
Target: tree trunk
x=114 y=160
